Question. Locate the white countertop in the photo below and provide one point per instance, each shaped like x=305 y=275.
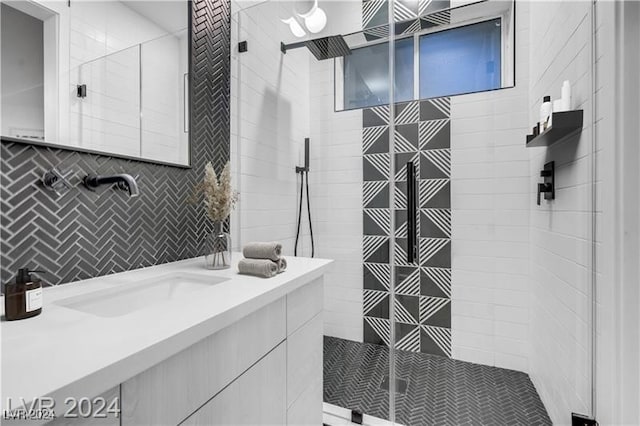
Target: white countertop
x=64 y=352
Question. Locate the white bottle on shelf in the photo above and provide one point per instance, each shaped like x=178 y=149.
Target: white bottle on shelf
x=545 y=113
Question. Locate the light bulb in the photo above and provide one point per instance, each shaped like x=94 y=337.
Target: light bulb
x=295 y=27
x=316 y=21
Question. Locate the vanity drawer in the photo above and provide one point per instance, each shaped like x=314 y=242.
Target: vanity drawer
x=255 y=398
x=304 y=368
x=307 y=409
x=304 y=304
x=169 y=392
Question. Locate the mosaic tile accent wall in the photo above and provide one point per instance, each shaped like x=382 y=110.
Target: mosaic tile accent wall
x=423 y=135
x=410 y=16
x=85 y=234
x=423 y=289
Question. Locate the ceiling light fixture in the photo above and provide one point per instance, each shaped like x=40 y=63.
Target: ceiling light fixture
x=295 y=27
x=316 y=19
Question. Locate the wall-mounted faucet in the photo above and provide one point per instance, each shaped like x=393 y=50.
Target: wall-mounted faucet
x=123 y=181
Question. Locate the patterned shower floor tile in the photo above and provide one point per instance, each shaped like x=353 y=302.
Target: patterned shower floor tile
x=439 y=390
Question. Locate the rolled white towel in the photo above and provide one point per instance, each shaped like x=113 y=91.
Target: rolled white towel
x=259 y=267
x=282 y=264
x=271 y=251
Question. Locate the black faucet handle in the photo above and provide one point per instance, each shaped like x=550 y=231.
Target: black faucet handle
x=543 y=188
x=548 y=185
x=57 y=181
x=539 y=192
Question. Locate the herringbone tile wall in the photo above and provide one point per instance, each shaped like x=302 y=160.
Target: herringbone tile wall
x=84 y=234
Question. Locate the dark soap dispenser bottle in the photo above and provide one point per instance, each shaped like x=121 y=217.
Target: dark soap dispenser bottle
x=23 y=298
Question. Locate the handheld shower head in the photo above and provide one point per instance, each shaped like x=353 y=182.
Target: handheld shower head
x=306 y=158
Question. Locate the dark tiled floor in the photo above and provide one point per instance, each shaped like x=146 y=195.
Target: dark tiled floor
x=440 y=391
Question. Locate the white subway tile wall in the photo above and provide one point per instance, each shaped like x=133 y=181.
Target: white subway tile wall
x=277 y=101
x=269 y=122
x=560 y=231
x=336 y=161
x=337 y=200
x=490 y=204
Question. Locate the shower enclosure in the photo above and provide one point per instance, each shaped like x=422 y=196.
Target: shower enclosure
x=421 y=189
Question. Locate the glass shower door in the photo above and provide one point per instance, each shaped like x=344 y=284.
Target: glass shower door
x=283 y=91
x=493 y=319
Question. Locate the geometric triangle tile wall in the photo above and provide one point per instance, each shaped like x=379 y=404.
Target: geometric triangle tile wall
x=85 y=234
x=422 y=290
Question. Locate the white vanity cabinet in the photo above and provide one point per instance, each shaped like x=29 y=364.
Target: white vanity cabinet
x=265 y=368
x=242 y=350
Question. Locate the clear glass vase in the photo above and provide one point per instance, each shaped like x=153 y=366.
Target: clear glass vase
x=217 y=248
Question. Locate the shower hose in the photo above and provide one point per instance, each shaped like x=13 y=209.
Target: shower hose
x=304 y=177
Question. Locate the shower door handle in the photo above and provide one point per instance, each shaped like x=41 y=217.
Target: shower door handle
x=412 y=213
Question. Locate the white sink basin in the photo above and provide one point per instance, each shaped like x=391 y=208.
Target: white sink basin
x=127 y=298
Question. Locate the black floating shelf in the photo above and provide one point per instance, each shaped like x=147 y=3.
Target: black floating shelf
x=564 y=124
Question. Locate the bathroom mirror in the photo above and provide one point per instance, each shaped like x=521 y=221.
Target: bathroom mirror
x=447 y=49
x=108 y=77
